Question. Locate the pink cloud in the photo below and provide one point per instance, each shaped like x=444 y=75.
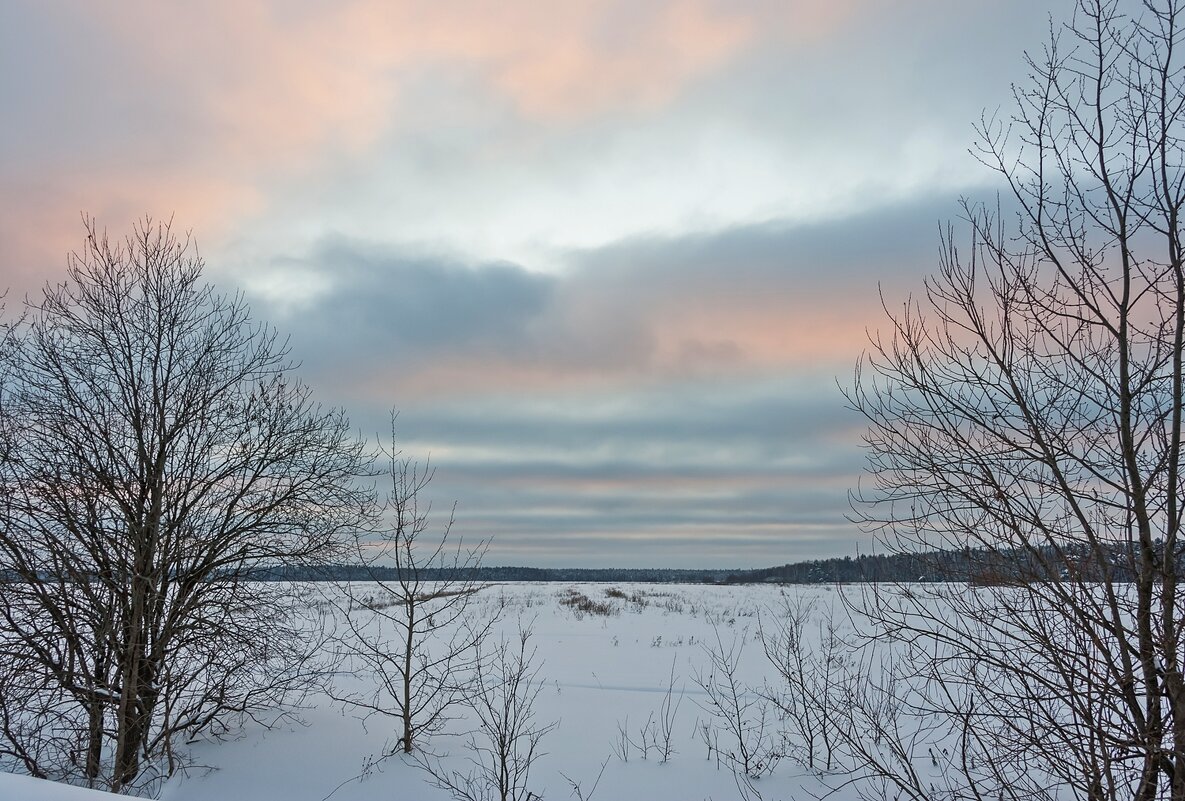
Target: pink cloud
x=215 y=103
x=707 y=331
x=704 y=333
x=192 y=108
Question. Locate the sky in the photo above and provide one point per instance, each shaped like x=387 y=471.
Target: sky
x=613 y=262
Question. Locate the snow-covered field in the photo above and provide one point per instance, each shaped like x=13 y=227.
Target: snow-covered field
x=609 y=682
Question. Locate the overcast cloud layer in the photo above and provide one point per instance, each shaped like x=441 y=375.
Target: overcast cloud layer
x=612 y=261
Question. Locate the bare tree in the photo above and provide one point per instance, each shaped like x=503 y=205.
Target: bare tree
x=1027 y=410
x=158 y=451
x=504 y=744
x=411 y=629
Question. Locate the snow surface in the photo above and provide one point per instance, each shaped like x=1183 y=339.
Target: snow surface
x=602 y=675
x=26 y=788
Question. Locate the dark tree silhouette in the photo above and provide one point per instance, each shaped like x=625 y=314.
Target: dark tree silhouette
x=1027 y=410
x=158 y=448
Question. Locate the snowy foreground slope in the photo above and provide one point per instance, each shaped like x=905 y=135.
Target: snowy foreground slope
x=26 y=788
x=605 y=678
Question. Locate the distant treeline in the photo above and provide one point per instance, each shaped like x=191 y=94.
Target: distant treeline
x=362 y=573
x=981 y=566
x=929 y=566
x=1118 y=562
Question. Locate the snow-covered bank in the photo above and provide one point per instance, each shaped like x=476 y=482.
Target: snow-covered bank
x=605 y=678
x=610 y=682
x=26 y=788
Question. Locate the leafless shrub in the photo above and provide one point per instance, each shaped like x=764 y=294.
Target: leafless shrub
x=578 y=791
x=753 y=746
x=657 y=733
x=623 y=744
x=811 y=670
x=664 y=726
x=504 y=746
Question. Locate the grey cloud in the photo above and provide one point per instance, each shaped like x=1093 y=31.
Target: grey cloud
x=703 y=461
x=651 y=473
x=746 y=410
x=391 y=312
x=764 y=463
x=422 y=302
x=847 y=254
